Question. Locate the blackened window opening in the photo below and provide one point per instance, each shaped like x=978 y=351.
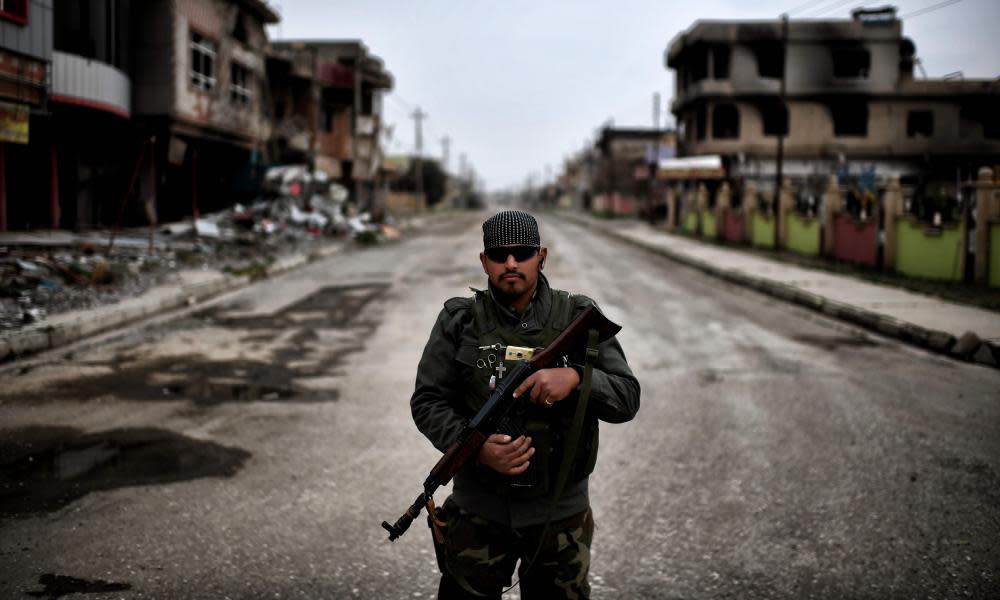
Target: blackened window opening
x=240 y=29
x=919 y=122
x=698 y=63
x=775 y=118
x=851 y=62
x=850 y=118
x=701 y=121
x=770 y=59
x=725 y=122
x=720 y=62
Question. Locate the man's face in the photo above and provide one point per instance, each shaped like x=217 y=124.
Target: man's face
x=512 y=276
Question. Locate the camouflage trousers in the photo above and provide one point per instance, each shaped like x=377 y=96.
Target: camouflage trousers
x=477 y=557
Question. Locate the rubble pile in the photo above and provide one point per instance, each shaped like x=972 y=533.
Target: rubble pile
x=298 y=210
x=37 y=281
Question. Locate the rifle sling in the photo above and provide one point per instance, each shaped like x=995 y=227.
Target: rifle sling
x=572 y=440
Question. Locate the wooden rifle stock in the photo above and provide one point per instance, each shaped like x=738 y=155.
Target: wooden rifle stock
x=472 y=437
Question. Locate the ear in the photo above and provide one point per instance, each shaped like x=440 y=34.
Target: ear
x=544 y=252
x=482 y=260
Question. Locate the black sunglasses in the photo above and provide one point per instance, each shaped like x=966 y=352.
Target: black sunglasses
x=520 y=253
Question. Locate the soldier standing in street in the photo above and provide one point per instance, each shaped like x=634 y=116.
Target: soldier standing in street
x=507 y=507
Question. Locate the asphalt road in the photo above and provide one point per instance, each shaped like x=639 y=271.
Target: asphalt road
x=250 y=448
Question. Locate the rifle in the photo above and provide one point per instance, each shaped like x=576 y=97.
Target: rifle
x=498 y=410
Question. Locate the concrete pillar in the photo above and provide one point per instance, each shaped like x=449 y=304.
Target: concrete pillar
x=832 y=204
x=786 y=201
x=671 y=208
x=987 y=203
x=723 y=200
x=892 y=203
x=749 y=208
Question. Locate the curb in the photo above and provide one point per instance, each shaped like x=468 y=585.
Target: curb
x=90 y=322
x=969 y=347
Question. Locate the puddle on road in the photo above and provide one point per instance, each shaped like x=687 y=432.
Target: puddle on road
x=57 y=586
x=43 y=469
x=205 y=381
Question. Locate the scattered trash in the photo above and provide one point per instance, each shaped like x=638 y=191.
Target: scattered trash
x=207 y=228
x=298 y=207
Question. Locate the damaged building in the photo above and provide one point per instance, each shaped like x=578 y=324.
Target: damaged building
x=621 y=167
x=327 y=112
x=28 y=186
x=840 y=94
x=126 y=112
x=199 y=101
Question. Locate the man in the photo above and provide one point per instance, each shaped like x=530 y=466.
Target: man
x=499 y=507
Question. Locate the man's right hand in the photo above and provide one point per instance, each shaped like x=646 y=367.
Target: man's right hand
x=505 y=456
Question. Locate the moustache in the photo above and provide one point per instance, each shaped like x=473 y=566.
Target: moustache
x=514 y=273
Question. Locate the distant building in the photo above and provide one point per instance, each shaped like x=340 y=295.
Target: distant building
x=621 y=171
x=852 y=101
x=327 y=109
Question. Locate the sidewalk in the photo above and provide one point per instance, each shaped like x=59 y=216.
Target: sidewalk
x=189 y=288
x=960 y=331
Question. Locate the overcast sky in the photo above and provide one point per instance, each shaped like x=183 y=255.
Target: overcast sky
x=520 y=85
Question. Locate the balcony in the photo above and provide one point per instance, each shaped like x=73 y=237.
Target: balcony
x=90 y=83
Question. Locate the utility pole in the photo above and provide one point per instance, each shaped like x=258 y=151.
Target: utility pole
x=656 y=110
x=776 y=204
x=418 y=117
x=445 y=147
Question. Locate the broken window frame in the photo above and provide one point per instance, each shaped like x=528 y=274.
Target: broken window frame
x=240 y=84
x=701 y=122
x=919 y=123
x=732 y=120
x=14 y=10
x=203 y=56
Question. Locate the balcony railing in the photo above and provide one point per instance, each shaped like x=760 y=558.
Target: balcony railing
x=91 y=83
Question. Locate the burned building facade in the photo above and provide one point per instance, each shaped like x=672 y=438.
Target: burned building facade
x=840 y=93
x=327 y=112
x=199 y=100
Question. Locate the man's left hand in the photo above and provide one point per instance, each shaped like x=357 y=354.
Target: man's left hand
x=549 y=386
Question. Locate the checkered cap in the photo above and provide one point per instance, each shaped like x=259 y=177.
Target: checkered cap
x=510 y=228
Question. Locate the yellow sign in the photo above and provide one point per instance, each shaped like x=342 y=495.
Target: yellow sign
x=14 y=123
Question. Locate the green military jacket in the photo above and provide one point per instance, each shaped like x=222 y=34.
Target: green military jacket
x=448 y=383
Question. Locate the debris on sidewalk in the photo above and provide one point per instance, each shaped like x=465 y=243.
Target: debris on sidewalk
x=52 y=272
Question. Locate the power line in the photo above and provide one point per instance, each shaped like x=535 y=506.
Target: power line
x=831 y=8
x=804 y=6
x=927 y=9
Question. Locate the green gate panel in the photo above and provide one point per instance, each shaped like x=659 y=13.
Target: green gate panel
x=709 y=226
x=803 y=235
x=995 y=254
x=928 y=253
x=691 y=222
x=762 y=231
